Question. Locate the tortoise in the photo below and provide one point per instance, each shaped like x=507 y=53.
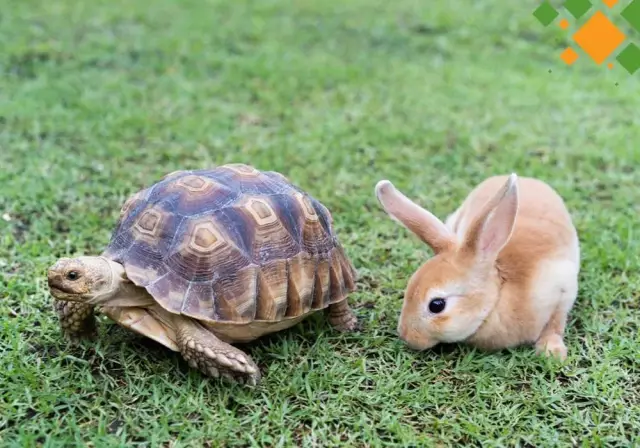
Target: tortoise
x=206 y=258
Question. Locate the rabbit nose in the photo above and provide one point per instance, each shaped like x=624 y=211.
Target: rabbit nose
x=405 y=336
x=413 y=339
x=402 y=330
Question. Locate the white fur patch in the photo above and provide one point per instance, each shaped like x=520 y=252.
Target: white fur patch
x=555 y=286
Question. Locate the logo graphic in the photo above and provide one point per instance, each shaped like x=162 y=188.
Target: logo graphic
x=598 y=37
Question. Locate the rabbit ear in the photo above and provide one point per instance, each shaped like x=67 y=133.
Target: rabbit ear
x=492 y=229
x=418 y=220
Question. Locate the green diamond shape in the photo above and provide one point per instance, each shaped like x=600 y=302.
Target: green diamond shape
x=632 y=14
x=577 y=8
x=629 y=58
x=545 y=13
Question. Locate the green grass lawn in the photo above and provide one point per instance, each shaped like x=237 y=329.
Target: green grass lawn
x=99 y=99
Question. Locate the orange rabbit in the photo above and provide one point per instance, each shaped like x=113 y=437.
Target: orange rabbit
x=505 y=270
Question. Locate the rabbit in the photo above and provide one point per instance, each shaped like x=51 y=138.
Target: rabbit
x=504 y=271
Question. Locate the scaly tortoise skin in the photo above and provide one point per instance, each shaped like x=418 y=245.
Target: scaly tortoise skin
x=232 y=251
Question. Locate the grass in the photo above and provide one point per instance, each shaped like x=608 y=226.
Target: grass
x=100 y=99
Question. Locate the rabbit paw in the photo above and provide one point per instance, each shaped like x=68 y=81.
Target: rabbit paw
x=552 y=346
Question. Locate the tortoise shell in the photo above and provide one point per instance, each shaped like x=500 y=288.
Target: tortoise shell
x=231 y=244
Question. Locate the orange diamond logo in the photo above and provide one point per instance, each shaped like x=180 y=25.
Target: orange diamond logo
x=599 y=37
x=569 y=56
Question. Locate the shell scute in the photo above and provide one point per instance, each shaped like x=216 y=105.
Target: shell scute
x=270 y=239
x=272 y=287
x=322 y=284
x=168 y=290
x=288 y=210
x=316 y=237
x=144 y=240
x=199 y=301
x=202 y=251
x=235 y=295
x=338 y=290
x=247 y=180
x=192 y=193
x=301 y=282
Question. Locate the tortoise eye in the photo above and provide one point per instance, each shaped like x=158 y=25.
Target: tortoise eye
x=73 y=275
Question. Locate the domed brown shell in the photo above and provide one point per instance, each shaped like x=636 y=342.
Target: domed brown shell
x=231 y=244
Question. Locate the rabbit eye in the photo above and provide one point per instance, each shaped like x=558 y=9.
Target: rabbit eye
x=437 y=305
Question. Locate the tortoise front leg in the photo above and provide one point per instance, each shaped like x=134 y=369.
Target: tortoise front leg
x=77 y=320
x=213 y=357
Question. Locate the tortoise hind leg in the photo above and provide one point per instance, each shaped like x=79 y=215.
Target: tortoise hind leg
x=213 y=357
x=77 y=320
x=341 y=316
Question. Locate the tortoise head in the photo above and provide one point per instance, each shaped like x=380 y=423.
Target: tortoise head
x=82 y=279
